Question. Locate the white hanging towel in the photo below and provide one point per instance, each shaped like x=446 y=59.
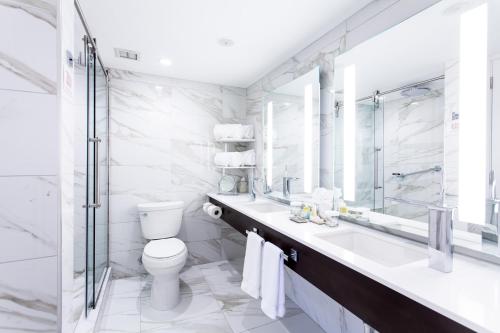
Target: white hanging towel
x=252 y=265
x=273 y=282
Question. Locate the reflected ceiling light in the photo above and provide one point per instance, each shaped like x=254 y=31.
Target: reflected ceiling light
x=269 y=144
x=166 y=62
x=473 y=91
x=308 y=137
x=350 y=133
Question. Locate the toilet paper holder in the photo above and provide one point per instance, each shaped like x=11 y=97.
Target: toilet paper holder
x=293 y=253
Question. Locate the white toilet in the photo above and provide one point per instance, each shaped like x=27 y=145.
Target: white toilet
x=164 y=256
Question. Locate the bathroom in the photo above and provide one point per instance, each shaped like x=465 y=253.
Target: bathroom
x=185 y=166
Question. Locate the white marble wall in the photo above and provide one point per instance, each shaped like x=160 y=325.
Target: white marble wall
x=413 y=141
x=162 y=148
x=28 y=172
x=371 y=20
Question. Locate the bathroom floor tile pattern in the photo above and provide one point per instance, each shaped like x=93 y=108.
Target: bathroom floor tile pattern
x=211 y=302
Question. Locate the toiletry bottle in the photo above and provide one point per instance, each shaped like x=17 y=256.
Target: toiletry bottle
x=243 y=185
x=306 y=211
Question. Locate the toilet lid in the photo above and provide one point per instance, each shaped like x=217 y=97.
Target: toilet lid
x=164 y=248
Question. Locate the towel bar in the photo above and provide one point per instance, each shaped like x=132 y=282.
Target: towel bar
x=293 y=253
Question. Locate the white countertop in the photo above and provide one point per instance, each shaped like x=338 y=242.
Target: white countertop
x=469 y=295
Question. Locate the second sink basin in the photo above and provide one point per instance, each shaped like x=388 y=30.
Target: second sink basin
x=387 y=252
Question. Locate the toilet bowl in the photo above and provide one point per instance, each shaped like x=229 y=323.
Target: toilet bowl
x=164 y=259
x=164 y=255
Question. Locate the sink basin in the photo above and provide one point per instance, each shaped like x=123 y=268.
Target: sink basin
x=265 y=207
x=387 y=252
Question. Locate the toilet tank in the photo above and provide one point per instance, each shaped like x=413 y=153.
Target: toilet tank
x=160 y=219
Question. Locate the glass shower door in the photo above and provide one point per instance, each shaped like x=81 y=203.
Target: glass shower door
x=97 y=176
x=101 y=212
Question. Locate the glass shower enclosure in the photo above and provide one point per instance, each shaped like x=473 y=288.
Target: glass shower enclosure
x=92 y=109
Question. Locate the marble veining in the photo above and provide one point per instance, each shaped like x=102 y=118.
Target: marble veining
x=40 y=9
x=26 y=73
x=211 y=301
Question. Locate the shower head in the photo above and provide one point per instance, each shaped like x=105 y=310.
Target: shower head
x=415 y=91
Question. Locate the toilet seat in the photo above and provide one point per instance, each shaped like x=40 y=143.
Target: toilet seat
x=165 y=248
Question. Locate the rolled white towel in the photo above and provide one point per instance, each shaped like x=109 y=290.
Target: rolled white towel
x=228 y=131
x=247 y=132
x=248 y=157
x=223 y=159
x=236 y=159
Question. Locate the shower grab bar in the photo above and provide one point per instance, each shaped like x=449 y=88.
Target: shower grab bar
x=418 y=203
x=293 y=253
x=437 y=168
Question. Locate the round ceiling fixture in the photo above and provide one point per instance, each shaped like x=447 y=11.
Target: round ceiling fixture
x=226 y=42
x=166 y=62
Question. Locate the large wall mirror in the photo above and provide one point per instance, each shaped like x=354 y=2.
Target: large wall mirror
x=415 y=120
x=291 y=137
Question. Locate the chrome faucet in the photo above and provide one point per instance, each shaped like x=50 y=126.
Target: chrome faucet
x=251 y=191
x=286 y=186
x=440 y=241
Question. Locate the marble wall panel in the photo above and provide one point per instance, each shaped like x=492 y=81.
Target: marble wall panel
x=162 y=148
x=28 y=173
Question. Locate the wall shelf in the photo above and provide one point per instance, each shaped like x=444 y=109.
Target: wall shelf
x=240 y=167
x=235 y=140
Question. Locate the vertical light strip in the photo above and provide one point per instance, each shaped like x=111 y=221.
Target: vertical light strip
x=472 y=108
x=269 y=145
x=308 y=137
x=350 y=133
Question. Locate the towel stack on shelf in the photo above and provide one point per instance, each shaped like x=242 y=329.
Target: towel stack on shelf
x=235 y=159
x=233 y=132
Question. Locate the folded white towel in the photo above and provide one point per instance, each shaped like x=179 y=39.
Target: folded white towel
x=228 y=131
x=247 y=131
x=248 y=157
x=273 y=282
x=252 y=265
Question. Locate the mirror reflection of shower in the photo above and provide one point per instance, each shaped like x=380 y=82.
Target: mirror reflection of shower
x=399 y=149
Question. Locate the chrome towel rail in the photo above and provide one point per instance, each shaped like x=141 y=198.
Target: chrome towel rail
x=437 y=168
x=293 y=253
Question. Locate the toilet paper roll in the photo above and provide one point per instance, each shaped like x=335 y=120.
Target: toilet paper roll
x=206 y=205
x=214 y=212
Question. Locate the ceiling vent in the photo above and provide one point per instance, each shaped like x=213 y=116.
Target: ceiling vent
x=126 y=54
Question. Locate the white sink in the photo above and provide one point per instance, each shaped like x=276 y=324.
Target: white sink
x=266 y=207
x=387 y=252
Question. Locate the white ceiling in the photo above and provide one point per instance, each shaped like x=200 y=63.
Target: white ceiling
x=266 y=33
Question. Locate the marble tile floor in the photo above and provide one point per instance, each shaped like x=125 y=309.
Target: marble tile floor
x=211 y=302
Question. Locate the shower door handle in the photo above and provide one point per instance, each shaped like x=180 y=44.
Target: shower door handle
x=97 y=182
x=376 y=184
